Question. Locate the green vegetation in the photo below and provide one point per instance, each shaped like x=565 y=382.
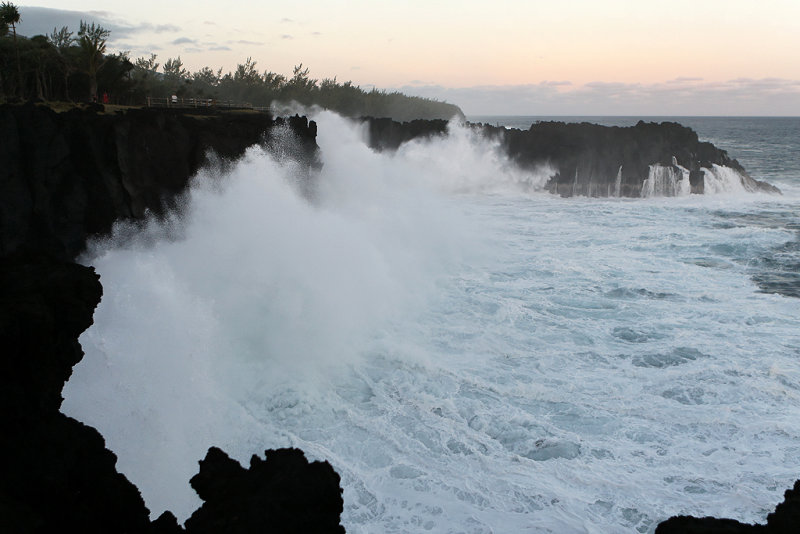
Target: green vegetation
x=63 y=67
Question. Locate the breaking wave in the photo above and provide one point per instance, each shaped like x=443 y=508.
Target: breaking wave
x=469 y=358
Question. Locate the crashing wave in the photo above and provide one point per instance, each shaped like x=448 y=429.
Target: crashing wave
x=666 y=181
x=674 y=180
x=721 y=179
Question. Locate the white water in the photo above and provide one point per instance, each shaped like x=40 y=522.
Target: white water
x=673 y=181
x=666 y=181
x=721 y=179
x=471 y=356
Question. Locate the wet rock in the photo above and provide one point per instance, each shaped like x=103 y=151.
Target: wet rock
x=66 y=176
x=57 y=475
x=282 y=493
x=63 y=178
x=588 y=159
x=784 y=520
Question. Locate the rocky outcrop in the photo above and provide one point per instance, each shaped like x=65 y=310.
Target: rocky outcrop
x=593 y=160
x=283 y=493
x=65 y=177
x=386 y=134
x=784 y=520
x=57 y=472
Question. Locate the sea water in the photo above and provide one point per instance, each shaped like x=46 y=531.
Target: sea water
x=470 y=353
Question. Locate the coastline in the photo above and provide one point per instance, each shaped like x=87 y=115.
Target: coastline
x=129 y=170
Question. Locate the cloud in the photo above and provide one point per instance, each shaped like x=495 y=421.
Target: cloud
x=137 y=48
x=42 y=21
x=184 y=40
x=681 y=96
x=685 y=79
x=286 y=36
x=286 y=21
x=161 y=28
x=243 y=42
x=220 y=48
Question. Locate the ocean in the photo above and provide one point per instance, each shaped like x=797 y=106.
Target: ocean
x=471 y=354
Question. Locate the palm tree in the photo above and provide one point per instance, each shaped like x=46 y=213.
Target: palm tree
x=9 y=14
x=92 y=40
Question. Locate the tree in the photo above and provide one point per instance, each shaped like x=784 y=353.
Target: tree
x=92 y=41
x=246 y=73
x=41 y=61
x=145 y=78
x=62 y=40
x=273 y=81
x=300 y=79
x=205 y=82
x=9 y=15
x=115 y=77
x=207 y=76
x=148 y=65
x=175 y=76
x=174 y=71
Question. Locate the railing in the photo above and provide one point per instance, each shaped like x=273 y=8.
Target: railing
x=184 y=103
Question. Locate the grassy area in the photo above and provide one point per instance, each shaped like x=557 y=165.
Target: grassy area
x=111 y=109
x=61 y=107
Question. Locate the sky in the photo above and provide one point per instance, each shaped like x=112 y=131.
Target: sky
x=506 y=57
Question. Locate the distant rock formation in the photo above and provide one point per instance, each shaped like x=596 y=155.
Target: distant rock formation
x=647 y=159
x=65 y=177
x=387 y=134
x=602 y=161
x=784 y=520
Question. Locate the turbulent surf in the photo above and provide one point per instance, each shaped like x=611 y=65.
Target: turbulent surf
x=471 y=352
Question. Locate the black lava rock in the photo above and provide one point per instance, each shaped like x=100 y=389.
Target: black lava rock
x=283 y=493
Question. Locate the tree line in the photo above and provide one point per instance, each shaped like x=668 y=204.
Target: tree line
x=68 y=66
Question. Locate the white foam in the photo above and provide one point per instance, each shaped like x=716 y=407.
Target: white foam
x=666 y=181
x=721 y=179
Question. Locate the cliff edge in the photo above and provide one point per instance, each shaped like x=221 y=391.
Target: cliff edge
x=64 y=178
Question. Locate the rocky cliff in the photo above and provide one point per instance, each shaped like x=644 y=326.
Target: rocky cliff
x=784 y=520
x=64 y=178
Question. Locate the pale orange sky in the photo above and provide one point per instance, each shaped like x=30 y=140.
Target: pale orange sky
x=460 y=45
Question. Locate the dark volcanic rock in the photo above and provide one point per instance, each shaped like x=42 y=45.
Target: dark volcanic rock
x=786 y=517
x=588 y=159
x=284 y=493
x=63 y=178
x=45 y=305
x=57 y=475
x=66 y=176
x=386 y=134
x=784 y=520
